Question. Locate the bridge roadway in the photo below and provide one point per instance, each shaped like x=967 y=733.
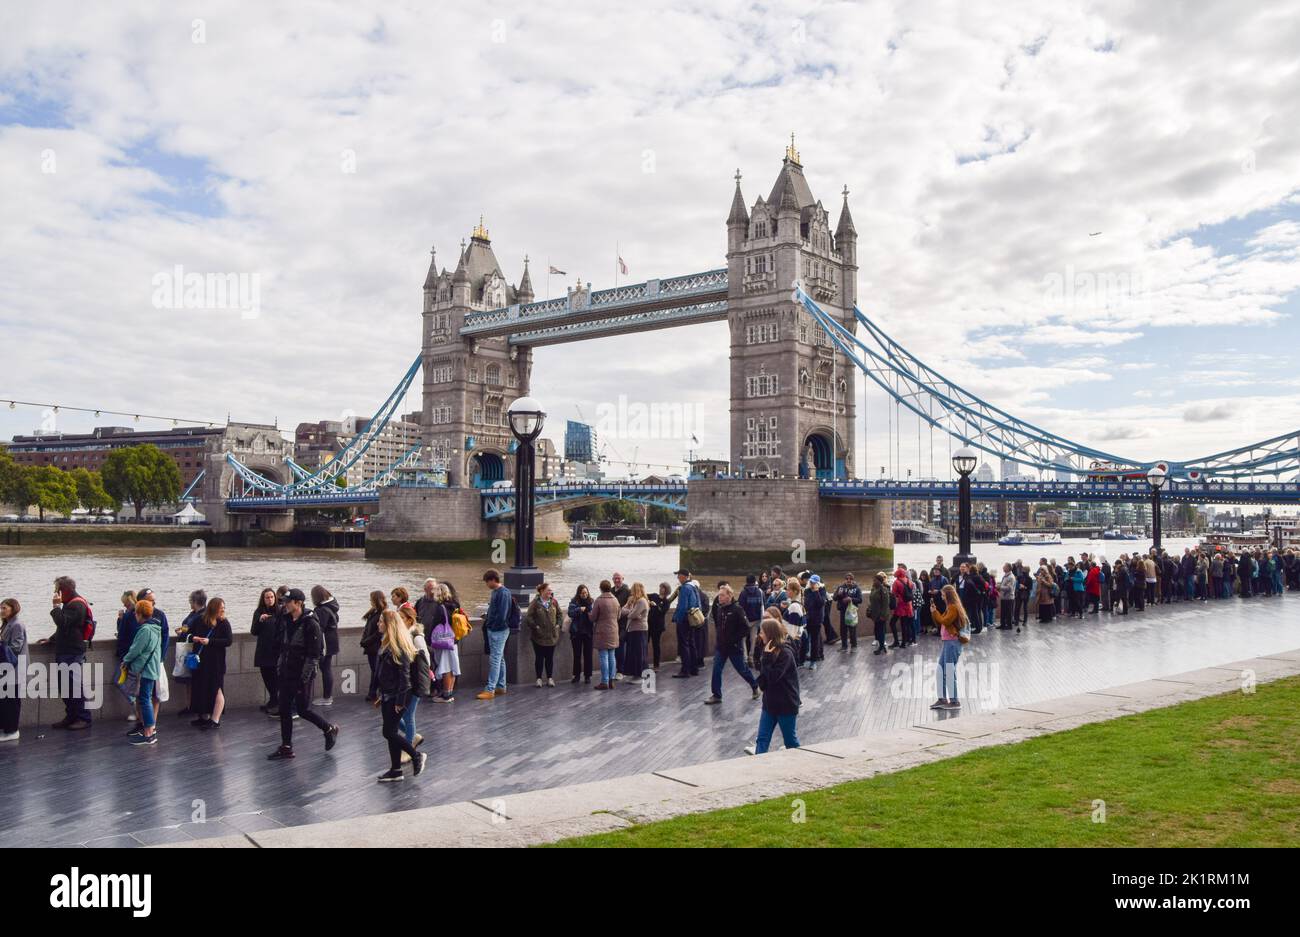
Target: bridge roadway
x=92 y=788
x=499 y=502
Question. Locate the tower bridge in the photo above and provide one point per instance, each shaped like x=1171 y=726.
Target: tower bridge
x=795 y=357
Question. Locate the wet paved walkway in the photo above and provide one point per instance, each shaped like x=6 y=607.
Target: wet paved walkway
x=92 y=788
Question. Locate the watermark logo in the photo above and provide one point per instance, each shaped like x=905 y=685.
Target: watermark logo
x=198 y=32
x=919 y=679
x=1099 y=811
x=1091 y=290
x=37 y=680
x=176 y=289
x=75 y=890
x=636 y=419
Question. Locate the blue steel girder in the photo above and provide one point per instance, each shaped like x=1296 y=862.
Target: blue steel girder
x=500 y=502
x=188 y=493
x=1200 y=492
x=582 y=306
x=639 y=321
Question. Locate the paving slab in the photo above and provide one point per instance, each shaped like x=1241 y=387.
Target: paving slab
x=428 y=827
x=546 y=806
x=877 y=746
x=735 y=772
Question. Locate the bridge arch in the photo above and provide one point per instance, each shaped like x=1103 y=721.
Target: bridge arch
x=484 y=468
x=817 y=455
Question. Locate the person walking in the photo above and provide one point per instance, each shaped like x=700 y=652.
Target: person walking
x=208 y=698
x=778 y=678
x=580 y=633
x=265 y=629
x=143 y=660
x=543 y=621
x=604 y=624
x=878 y=611
x=301 y=647
x=636 y=612
x=327 y=613
x=501 y=610
x=396 y=654
x=420 y=678
x=371 y=638
x=13 y=651
x=953 y=623
x=688 y=616
x=731 y=626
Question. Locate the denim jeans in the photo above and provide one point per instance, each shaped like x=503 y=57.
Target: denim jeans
x=946 y=673
x=767 y=723
x=737 y=658
x=74 y=704
x=408 y=718
x=608 y=665
x=146 y=702
x=496 y=678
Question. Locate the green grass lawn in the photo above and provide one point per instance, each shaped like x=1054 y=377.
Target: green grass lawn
x=1222 y=771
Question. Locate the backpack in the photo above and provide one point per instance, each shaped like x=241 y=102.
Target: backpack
x=88 y=632
x=512 y=617
x=460 y=625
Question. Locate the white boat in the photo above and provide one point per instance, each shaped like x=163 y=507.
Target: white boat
x=1015 y=538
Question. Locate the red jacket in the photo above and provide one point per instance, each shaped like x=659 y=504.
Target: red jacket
x=1092 y=582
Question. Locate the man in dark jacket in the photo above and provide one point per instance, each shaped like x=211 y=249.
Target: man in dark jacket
x=301 y=646
x=688 y=597
x=327 y=613
x=70 y=614
x=731 y=627
x=622 y=592
x=846 y=593
x=816 y=607
x=750 y=601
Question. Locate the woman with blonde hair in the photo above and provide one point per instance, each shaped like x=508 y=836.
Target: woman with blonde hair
x=953 y=622
x=396 y=653
x=637 y=608
x=421 y=680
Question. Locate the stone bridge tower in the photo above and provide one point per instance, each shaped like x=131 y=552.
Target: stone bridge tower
x=470 y=383
x=792 y=400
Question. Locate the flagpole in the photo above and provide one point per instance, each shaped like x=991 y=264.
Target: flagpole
x=617 y=258
x=548 y=277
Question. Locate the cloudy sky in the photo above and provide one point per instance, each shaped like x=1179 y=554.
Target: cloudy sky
x=321 y=151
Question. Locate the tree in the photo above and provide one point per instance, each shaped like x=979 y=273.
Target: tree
x=143 y=475
x=91 y=493
x=11 y=479
x=52 y=490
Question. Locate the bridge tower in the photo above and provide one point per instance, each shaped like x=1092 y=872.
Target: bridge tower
x=470 y=383
x=792 y=399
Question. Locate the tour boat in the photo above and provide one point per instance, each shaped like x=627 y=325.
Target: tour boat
x=1117 y=534
x=1015 y=538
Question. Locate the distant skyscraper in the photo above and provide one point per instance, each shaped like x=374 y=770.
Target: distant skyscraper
x=984 y=473
x=1008 y=468
x=579 y=442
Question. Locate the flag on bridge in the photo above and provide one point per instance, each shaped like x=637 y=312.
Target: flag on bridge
x=622 y=267
x=556 y=271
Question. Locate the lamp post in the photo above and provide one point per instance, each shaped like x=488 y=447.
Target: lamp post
x=526 y=420
x=963 y=460
x=1157 y=475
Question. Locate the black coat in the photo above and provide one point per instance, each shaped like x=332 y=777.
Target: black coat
x=266 y=652
x=327 y=613
x=394 y=679
x=732 y=626
x=69 y=627
x=370 y=636
x=658 y=613
x=778 y=678
x=300 y=648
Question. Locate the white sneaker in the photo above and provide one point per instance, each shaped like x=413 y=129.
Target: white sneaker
x=751 y=749
x=539 y=683
x=9 y=736
x=618 y=676
x=550 y=681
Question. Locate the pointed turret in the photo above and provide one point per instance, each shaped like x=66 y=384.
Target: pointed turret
x=845 y=227
x=431 y=278
x=525 y=292
x=460 y=287
x=738 y=216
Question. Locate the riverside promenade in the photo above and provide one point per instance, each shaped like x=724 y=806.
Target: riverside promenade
x=93 y=789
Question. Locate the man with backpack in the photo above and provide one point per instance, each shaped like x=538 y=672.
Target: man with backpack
x=502 y=618
x=74 y=629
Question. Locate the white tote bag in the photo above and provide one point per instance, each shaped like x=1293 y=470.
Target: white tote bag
x=161 y=690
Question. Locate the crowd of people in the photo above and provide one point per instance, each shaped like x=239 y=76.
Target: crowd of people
x=766 y=630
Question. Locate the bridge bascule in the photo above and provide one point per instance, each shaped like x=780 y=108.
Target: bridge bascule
x=799 y=342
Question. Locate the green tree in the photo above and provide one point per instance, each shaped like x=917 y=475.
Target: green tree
x=52 y=490
x=91 y=493
x=11 y=478
x=143 y=475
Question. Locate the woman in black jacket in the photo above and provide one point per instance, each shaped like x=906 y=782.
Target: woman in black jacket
x=778 y=678
x=580 y=633
x=211 y=637
x=396 y=654
x=658 y=614
x=370 y=638
x=327 y=613
x=266 y=652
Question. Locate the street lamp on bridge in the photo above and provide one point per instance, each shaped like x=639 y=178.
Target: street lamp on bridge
x=526 y=420
x=963 y=460
x=1157 y=475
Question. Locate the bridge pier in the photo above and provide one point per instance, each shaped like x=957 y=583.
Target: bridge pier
x=447 y=523
x=736 y=526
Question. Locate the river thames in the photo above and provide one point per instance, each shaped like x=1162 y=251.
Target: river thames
x=237 y=575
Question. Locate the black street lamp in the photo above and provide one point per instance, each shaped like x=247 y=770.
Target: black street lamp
x=963 y=460
x=1157 y=475
x=526 y=420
